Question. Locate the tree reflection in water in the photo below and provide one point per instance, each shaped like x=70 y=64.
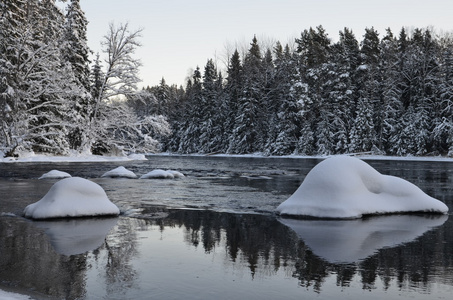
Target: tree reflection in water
x=263 y=244
x=260 y=244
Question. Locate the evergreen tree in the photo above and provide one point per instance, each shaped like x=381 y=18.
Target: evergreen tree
x=233 y=88
x=247 y=135
x=287 y=125
x=391 y=108
x=76 y=49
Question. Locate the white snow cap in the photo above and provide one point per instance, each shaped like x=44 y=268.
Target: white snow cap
x=347 y=187
x=119 y=172
x=72 y=197
x=55 y=174
x=162 y=174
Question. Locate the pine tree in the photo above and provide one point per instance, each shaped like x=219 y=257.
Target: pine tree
x=391 y=108
x=363 y=132
x=76 y=49
x=247 y=136
x=233 y=88
x=287 y=120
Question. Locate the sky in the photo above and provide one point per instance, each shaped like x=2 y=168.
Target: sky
x=179 y=35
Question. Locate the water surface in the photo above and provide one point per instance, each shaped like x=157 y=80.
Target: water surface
x=214 y=234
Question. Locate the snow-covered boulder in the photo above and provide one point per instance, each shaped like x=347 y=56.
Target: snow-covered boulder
x=72 y=197
x=135 y=156
x=176 y=174
x=121 y=172
x=55 y=174
x=158 y=174
x=347 y=187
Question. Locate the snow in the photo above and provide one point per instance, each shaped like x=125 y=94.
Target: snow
x=162 y=174
x=72 y=157
x=77 y=236
x=176 y=174
x=120 y=172
x=55 y=174
x=72 y=197
x=347 y=187
x=348 y=241
x=12 y=296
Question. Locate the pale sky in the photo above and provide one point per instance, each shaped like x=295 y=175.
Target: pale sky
x=179 y=35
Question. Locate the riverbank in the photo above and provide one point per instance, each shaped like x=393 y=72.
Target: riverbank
x=77 y=157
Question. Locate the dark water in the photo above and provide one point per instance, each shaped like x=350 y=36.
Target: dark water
x=213 y=235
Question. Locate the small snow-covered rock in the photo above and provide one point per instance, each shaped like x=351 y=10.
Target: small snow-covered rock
x=55 y=174
x=135 y=156
x=347 y=187
x=72 y=197
x=120 y=172
x=158 y=174
x=176 y=174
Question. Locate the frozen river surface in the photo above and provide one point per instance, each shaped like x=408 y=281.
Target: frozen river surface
x=214 y=235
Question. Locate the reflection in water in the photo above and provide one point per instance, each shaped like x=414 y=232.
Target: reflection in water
x=348 y=241
x=162 y=253
x=147 y=257
x=77 y=236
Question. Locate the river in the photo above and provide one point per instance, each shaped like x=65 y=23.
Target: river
x=214 y=235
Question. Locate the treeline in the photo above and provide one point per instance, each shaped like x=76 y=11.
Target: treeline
x=53 y=98
x=388 y=95
x=385 y=94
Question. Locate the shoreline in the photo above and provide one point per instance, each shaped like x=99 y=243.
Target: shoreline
x=33 y=158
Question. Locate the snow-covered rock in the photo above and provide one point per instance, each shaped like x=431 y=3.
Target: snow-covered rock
x=55 y=174
x=347 y=187
x=176 y=174
x=72 y=197
x=348 y=241
x=120 y=172
x=135 y=156
x=158 y=174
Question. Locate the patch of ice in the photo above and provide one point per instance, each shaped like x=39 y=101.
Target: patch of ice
x=120 y=172
x=158 y=174
x=347 y=187
x=72 y=197
x=55 y=174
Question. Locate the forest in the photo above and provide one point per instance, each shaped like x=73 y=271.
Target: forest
x=386 y=94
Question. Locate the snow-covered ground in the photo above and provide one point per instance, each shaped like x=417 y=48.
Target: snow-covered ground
x=12 y=296
x=77 y=157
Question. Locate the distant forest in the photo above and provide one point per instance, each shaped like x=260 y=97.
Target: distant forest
x=386 y=94
x=390 y=95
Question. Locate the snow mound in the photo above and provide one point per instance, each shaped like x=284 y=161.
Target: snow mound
x=55 y=174
x=347 y=187
x=160 y=174
x=72 y=197
x=135 y=156
x=176 y=174
x=119 y=172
